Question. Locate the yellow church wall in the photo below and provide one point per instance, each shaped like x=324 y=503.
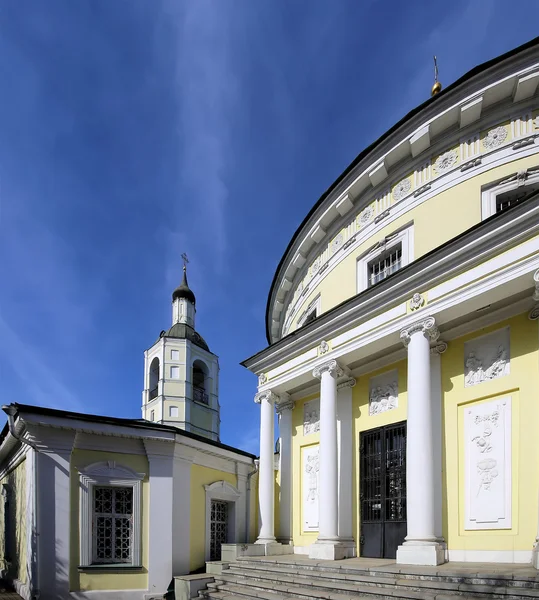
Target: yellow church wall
x=17 y=526
x=521 y=384
x=201 y=476
x=112 y=579
x=362 y=421
x=299 y=443
x=457 y=209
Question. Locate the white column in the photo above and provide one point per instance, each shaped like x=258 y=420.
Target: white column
x=54 y=511
x=266 y=478
x=421 y=545
x=284 y=410
x=328 y=545
x=533 y=315
x=436 y=402
x=160 y=459
x=346 y=453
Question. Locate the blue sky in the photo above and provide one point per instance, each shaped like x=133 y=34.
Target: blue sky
x=132 y=131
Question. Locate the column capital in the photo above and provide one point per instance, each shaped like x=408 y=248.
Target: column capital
x=331 y=366
x=426 y=326
x=267 y=395
x=347 y=383
x=536 y=282
x=285 y=403
x=439 y=348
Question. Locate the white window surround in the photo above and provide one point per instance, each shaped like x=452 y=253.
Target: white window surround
x=405 y=237
x=221 y=490
x=175 y=355
x=174 y=372
x=108 y=473
x=507 y=184
x=316 y=305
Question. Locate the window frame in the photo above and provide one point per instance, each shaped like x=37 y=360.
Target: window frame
x=174 y=369
x=174 y=354
x=404 y=237
x=313 y=305
x=108 y=474
x=491 y=191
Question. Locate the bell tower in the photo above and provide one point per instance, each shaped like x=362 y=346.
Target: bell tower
x=181 y=374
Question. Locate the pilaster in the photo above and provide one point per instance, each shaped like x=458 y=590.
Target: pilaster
x=284 y=410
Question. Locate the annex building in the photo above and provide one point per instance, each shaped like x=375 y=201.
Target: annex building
x=403 y=334
x=403 y=364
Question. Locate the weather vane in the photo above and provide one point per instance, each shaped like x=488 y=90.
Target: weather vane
x=185 y=261
x=437 y=87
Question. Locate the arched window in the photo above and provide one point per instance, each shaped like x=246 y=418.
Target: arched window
x=200 y=382
x=154 y=377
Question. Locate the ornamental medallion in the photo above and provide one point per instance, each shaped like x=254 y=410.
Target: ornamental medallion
x=446 y=161
x=495 y=137
x=401 y=189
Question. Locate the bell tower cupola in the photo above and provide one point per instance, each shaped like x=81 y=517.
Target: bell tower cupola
x=181 y=374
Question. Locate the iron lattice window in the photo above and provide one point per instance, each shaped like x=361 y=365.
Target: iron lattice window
x=219 y=527
x=384 y=265
x=113 y=525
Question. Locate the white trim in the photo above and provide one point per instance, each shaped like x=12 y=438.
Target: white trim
x=491 y=556
x=221 y=490
x=315 y=304
x=110 y=474
x=501 y=186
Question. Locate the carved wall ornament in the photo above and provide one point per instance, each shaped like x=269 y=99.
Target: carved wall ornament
x=536 y=282
x=316 y=265
x=323 y=348
x=486 y=358
x=488 y=489
x=262 y=379
x=366 y=215
x=495 y=137
x=439 y=348
x=417 y=301
x=332 y=367
x=533 y=315
x=426 y=326
x=337 y=242
x=311 y=487
x=446 y=161
x=384 y=392
x=311 y=417
x=402 y=189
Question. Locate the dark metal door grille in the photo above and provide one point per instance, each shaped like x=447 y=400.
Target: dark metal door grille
x=218 y=528
x=383 y=490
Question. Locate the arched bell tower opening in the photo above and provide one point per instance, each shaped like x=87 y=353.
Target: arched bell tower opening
x=181 y=373
x=200 y=382
x=154 y=379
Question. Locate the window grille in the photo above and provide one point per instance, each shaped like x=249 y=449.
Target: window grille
x=509 y=199
x=385 y=264
x=113 y=525
x=219 y=528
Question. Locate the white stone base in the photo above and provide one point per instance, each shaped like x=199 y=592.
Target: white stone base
x=421 y=554
x=230 y=552
x=332 y=550
x=535 y=557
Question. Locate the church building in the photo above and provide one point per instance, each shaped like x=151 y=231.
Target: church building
x=102 y=507
x=403 y=335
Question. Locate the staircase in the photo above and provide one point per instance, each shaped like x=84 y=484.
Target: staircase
x=274 y=578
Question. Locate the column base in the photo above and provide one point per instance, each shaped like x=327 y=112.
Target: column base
x=332 y=549
x=535 y=556
x=421 y=553
x=267 y=540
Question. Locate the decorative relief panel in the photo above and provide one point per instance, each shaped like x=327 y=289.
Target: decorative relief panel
x=337 y=242
x=487 y=431
x=402 y=189
x=486 y=357
x=384 y=392
x=310 y=487
x=446 y=161
x=311 y=417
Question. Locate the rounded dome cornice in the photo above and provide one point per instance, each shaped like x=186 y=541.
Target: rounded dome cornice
x=404 y=164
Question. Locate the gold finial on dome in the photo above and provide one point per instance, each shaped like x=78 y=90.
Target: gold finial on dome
x=437 y=87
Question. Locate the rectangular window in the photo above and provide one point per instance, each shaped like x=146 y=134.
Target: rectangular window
x=113 y=524
x=175 y=355
x=174 y=372
x=173 y=411
x=152 y=415
x=384 y=265
x=310 y=317
x=502 y=195
x=509 y=199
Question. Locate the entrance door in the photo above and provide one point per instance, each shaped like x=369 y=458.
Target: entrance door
x=218 y=528
x=383 y=490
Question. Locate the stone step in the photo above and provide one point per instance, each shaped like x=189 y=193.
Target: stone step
x=314 y=584
x=340 y=571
